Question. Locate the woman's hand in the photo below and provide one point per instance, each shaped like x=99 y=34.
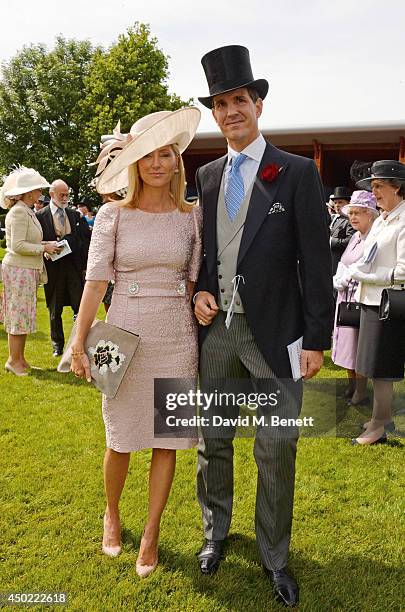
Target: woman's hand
x=342 y=277
x=52 y=248
x=80 y=365
x=382 y=276
x=91 y=298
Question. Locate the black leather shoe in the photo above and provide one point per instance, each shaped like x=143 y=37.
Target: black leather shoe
x=57 y=351
x=284 y=585
x=210 y=555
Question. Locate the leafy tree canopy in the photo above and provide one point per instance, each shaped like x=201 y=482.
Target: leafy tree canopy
x=54 y=105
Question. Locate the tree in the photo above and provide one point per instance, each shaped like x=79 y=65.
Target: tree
x=41 y=119
x=55 y=105
x=126 y=82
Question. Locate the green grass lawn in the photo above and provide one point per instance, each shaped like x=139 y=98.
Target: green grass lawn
x=348 y=532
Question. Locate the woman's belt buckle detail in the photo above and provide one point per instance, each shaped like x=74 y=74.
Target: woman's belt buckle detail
x=181 y=288
x=133 y=288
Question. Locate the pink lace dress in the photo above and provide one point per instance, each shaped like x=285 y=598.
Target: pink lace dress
x=150 y=256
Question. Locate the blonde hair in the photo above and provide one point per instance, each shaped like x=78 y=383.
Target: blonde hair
x=8 y=202
x=177 y=186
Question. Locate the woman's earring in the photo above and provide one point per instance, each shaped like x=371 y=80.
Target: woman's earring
x=176 y=171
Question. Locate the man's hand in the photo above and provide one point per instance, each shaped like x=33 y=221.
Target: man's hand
x=311 y=363
x=205 y=308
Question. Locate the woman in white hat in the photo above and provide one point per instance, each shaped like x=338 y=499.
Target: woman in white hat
x=362 y=212
x=23 y=261
x=150 y=244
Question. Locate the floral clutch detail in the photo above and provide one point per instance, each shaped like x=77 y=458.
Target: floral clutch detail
x=110 y=350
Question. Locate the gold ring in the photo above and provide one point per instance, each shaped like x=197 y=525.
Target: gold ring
x=200 y=322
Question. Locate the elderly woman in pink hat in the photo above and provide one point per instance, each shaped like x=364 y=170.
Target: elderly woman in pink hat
x=362 y=212
x=381 y=346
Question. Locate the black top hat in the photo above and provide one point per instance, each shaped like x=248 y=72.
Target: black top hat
x=384 y=169
x=341 y=193
x=229 y=68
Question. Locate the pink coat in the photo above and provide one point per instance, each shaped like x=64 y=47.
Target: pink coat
x=344 y=349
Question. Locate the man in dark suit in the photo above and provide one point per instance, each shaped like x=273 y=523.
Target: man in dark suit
x=65 y=275
x=264 y=284
x=340 y=229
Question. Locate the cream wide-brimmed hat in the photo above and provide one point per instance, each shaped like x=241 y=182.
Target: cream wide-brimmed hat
x=147 y=134
x=20 y=181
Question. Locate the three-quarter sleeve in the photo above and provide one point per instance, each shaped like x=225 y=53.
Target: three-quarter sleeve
x=100 y=263
x=19 y=223
x=196 y=255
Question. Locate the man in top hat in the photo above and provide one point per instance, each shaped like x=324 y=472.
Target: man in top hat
x=65 y=275
x=265 y=283
x=340 y=229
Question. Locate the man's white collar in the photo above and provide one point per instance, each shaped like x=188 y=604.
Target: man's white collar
x=254 y=150
x=54 y=208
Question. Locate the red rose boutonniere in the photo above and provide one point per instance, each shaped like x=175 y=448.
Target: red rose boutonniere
x=270 y=172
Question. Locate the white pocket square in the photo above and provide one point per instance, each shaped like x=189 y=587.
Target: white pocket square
x=276 y=208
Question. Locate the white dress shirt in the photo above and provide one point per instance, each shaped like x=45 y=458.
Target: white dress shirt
x=54 y=208
x=254 y=152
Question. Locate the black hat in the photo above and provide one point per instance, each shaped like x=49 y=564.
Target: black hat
x=229 y=68
x=384 y=169
x=359 y=170
x=341 y=193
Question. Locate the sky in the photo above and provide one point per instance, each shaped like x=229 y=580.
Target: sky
x=328 y=63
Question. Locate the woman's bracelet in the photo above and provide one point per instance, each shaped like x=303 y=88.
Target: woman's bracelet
x=74 y=353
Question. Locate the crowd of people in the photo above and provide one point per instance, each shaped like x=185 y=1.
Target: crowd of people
x=367 y=232
x=243 y=274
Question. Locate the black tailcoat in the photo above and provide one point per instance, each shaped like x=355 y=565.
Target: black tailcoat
x=284 y=256
x=341 y=233
x=72 y=265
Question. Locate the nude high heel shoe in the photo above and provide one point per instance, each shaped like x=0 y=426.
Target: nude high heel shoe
x=10 y=368
x=144 y=570
x=110 y=551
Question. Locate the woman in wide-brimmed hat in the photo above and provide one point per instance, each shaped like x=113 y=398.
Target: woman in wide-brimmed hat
x=362 y=212
x=381 y=347
x=23 y=261
x=110 y=145
x=150 y=244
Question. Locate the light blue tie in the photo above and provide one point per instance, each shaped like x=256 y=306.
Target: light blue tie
x=235 y=191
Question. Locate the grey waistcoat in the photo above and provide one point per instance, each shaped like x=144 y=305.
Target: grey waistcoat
x=229 y=234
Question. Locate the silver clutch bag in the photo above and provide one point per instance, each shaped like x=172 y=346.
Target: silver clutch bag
x=110 y=350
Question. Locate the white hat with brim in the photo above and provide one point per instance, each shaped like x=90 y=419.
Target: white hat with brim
x=149 y=133
x=22 y=180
